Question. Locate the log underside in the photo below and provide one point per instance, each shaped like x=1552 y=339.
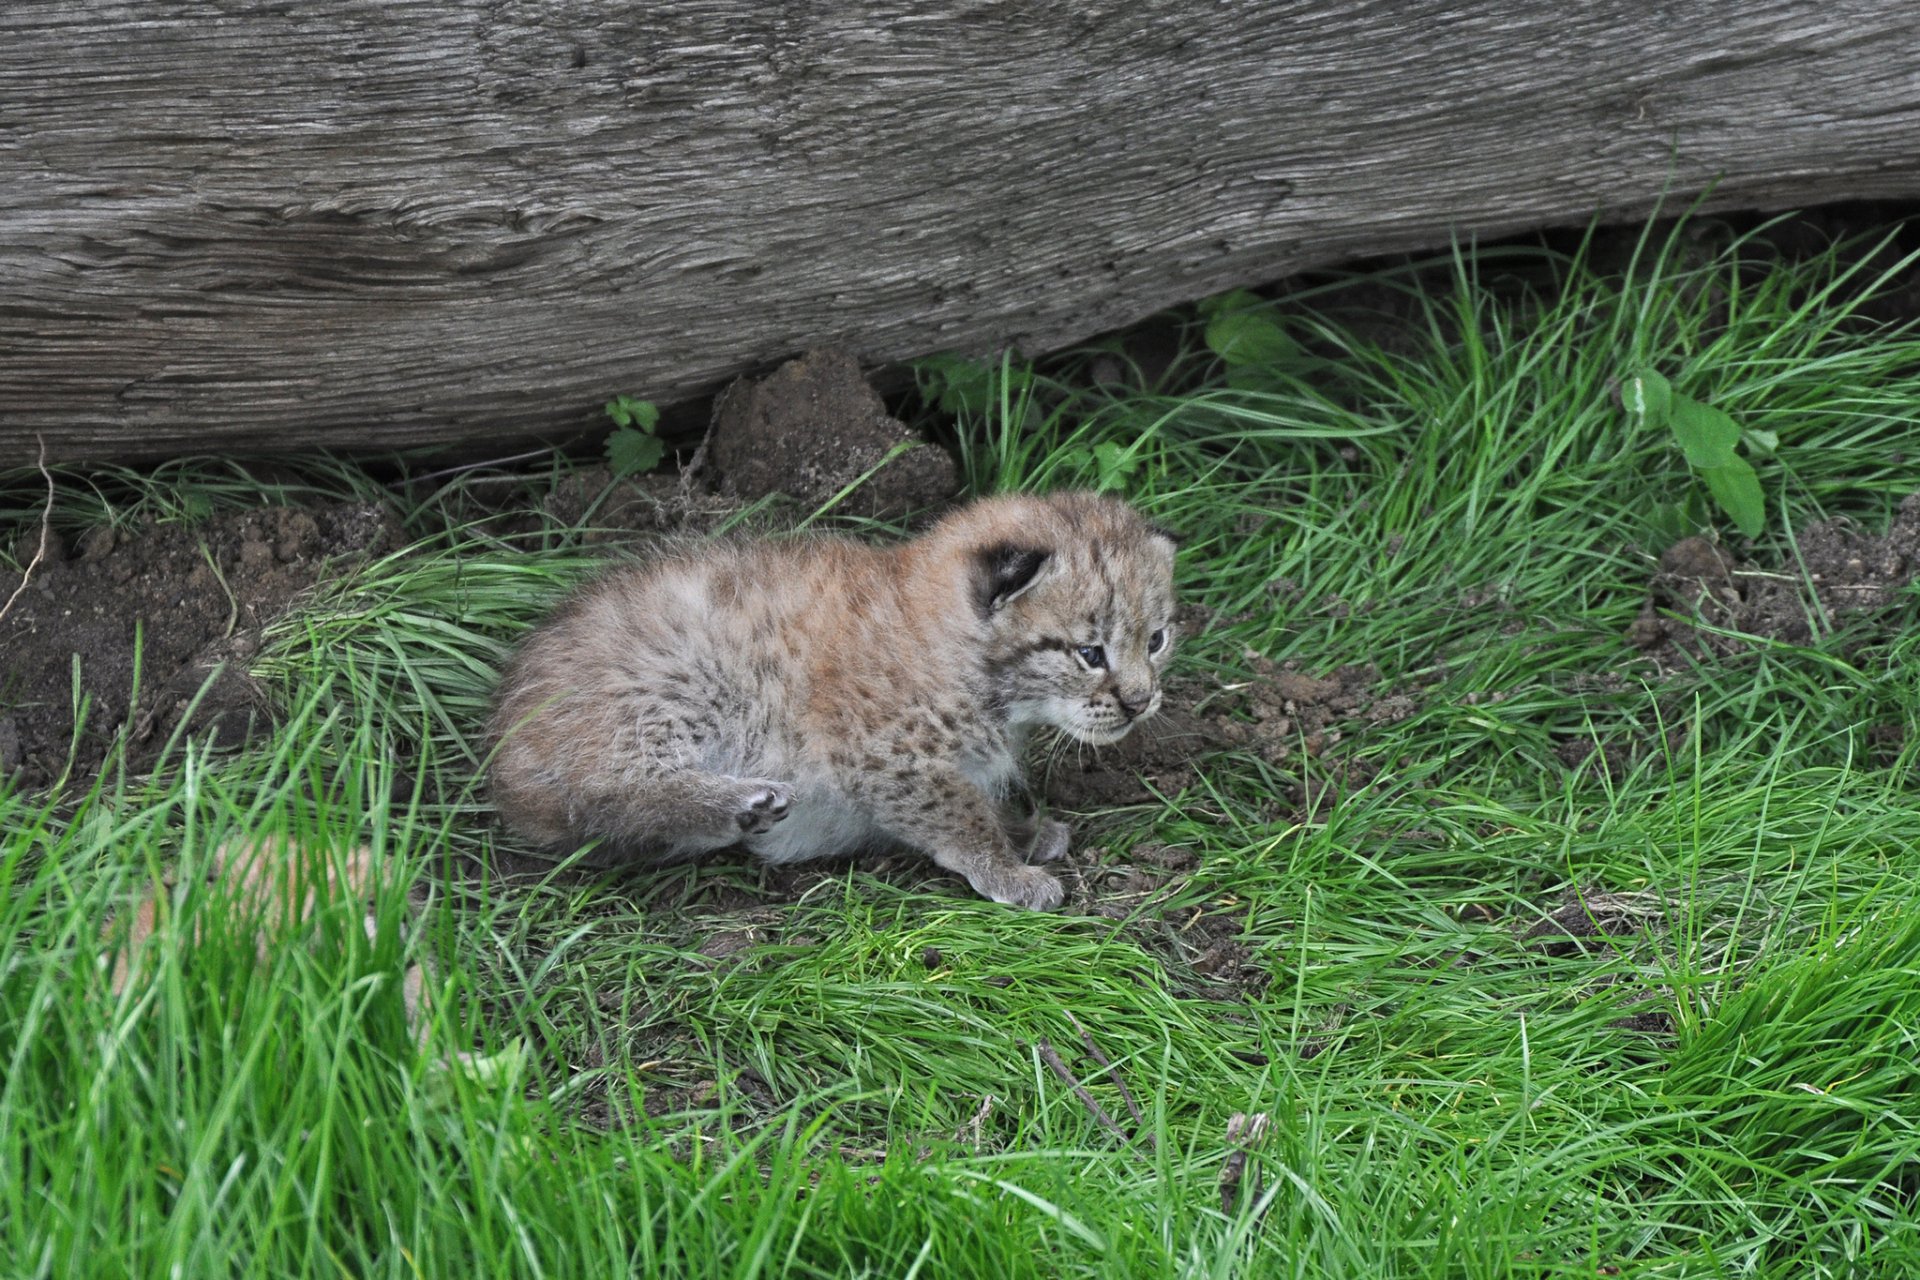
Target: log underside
x=241 y=227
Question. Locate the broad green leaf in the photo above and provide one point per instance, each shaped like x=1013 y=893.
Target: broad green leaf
x=1247 y=377
x=1672 y=521
x=1706 y=435
x=1076 y=461
x=1116 y=461
x=1761 y=443
x=1249 y=338
x=1650 y=396
x=961 y=386
x=1736 y=491
x=630 y=451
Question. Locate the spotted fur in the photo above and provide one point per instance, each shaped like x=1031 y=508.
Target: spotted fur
x=821 y=696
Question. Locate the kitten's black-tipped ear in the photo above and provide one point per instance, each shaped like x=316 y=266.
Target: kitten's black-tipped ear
x=1161 y=531
x=1005 y=572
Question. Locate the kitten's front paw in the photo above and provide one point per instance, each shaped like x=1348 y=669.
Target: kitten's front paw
x=1020 y=886
x=763 y=805
x=1050 y=841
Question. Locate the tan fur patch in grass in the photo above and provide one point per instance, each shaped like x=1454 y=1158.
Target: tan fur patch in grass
x=276 y=889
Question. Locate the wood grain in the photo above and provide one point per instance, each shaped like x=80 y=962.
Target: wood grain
x=231 y=225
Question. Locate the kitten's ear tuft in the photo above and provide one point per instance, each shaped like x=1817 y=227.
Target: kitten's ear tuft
x=1161 y=531
x=1005 y=571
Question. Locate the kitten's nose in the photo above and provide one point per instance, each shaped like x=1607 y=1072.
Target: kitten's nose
x=1133 y=702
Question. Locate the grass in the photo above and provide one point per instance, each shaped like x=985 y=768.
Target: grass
x=857 y=1086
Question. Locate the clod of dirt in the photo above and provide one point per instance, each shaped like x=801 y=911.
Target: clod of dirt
x=1222 y=961
x=811 y=428
x=1199 y=943
x=1173 y=858
x=1838 y=572
x=183 y=603
x=1607 y=759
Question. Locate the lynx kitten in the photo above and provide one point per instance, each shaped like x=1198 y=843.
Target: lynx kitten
x=822 y=696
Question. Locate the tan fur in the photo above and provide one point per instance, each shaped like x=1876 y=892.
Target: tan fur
x=821 y=696
x=274 y=890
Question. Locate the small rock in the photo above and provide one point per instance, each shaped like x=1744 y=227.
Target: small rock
x=97 y=543
x=1295 y=687
x=298 y=535
x=1696 y=558
x=1171 y=857
x=1220 y=960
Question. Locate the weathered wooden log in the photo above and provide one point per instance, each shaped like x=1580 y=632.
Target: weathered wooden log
x=227 y=225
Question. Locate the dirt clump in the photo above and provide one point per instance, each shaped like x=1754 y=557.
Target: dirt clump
x=1149 y=890
x=183 y=605
x=811 y=428
x=1700 y=592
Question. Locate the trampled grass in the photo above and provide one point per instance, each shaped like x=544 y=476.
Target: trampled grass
x=703 y=1072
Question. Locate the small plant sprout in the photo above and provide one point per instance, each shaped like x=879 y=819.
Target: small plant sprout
x=633 y=447
x=1708 y=438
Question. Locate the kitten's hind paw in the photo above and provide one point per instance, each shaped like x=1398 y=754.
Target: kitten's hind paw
x=763 y=804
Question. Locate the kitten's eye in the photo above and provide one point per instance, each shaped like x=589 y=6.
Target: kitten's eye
x=1157 y=641
x=1094 y=656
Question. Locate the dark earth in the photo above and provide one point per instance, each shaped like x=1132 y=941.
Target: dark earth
x=184 y=604
x=814 y=426
x=1842 y=575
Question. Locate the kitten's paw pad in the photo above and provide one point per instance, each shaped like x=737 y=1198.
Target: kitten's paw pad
x=762 y=807
x=1050 y=842
x=1027 y=887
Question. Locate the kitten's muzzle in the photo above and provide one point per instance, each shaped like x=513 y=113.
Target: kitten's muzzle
x=1134 y=703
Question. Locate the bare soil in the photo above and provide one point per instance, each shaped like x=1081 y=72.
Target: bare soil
x=1704 y=604
x=182 y=605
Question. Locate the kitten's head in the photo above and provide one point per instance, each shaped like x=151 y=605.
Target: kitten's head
x=1076 y=593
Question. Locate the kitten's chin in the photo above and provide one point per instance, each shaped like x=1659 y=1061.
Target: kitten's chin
x=1097 y=737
